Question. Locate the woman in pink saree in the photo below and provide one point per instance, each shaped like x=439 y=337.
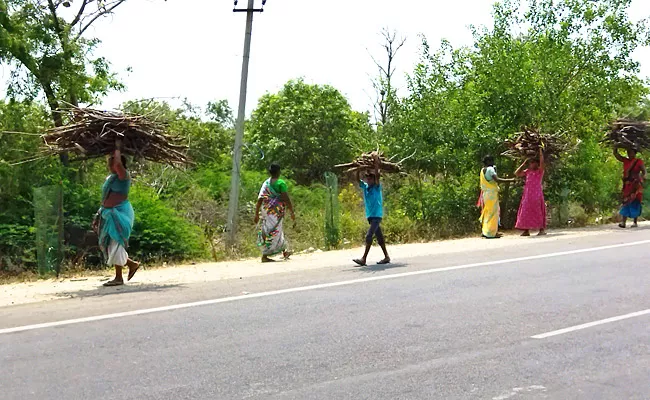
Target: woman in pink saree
x=532 y=209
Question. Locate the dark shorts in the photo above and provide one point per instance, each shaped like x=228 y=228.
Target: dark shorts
x=375 y=230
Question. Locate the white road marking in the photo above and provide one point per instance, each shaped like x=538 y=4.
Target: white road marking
x=312 y=287
x=590 y=324
x=516 y=391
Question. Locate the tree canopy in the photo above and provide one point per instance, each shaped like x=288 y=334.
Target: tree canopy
x=45 y=43
x=307 y=129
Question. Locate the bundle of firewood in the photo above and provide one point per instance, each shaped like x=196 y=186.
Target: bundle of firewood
x=367 y=162
x=93 y=133
x=629 y=134
x=528 y=143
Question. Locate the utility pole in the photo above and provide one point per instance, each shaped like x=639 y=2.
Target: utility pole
x=233 y=203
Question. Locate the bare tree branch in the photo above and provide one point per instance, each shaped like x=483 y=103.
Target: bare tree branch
x=57 y=25
x=80 y=14
x=383 y=85
x=103 y=10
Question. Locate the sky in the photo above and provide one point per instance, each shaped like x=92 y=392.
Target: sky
x=193 y=48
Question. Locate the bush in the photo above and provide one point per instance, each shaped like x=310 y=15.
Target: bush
x=160 y=232
x=17 y=248
x=446 y=205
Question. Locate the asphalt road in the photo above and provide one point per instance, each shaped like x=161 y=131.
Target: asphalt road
x=418 y=330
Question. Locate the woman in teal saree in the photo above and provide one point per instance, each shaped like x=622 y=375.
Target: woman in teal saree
x=114 y=220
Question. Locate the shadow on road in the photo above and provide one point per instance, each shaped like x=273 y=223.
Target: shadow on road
x=378 y=268
x=102 y=291
x=533 y=235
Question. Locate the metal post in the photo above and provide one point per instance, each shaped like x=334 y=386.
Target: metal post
x=233 y=203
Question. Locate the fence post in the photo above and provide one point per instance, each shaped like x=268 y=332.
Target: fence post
x=332 y=211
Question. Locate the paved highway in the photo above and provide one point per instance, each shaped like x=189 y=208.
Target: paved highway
x=568 y=319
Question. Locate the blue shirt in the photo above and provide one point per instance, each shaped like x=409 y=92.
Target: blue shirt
x=373 y=199
x=489 y=173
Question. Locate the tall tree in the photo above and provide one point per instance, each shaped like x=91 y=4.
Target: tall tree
x=45 y=44
x=308 y=129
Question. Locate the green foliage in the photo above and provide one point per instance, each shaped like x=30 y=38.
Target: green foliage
x=307 y=129
x=447 y=204
x=160 y=232
x=17 y=249
x=50 y=54
x=564 y=66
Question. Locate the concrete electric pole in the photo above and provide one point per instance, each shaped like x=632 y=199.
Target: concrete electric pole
x=233 y=204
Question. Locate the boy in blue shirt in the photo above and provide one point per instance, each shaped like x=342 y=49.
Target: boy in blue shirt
x=374 y=202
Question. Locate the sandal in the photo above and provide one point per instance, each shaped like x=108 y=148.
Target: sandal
x=384 y=261
x=113 y=283
x=360 y=263
x=133 y=271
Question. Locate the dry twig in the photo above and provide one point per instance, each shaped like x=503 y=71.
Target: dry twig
x=629 y=134
x=92 y=133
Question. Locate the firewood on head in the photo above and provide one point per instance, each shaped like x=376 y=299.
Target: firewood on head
x=628 y=134
x=93 y=133
x=528 y=143
x=366 y=161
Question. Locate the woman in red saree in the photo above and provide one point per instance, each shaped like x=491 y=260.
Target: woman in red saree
x=633 y=175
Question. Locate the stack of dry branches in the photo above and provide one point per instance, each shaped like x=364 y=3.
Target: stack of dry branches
x=93 y=133
x=528 y=143
x=629 y=134
x=367 y=162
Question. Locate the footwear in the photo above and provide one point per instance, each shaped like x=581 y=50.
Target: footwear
x=360 y=263
x=384 y=261
x=132 y=271
x=113 y=283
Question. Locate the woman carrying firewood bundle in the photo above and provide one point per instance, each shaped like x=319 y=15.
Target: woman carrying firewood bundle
x=489 y=199
x=114 y=220
x=273 y=200
x=632 y=195
x=532 y=209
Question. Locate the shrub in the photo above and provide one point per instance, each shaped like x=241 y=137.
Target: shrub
x=160 y=232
